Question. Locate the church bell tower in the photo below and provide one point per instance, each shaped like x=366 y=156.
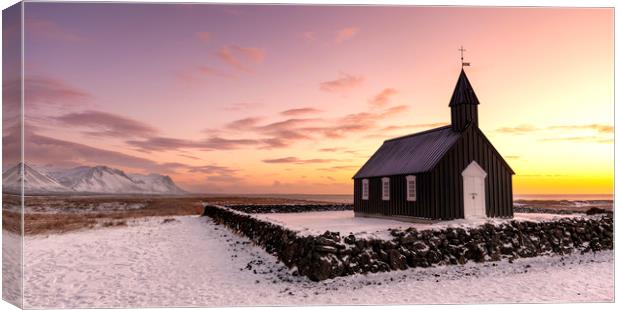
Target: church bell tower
x=464 y=103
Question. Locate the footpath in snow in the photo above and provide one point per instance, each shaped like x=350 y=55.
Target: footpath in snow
x=193 y=262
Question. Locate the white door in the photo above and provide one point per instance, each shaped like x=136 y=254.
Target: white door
x=473 y=191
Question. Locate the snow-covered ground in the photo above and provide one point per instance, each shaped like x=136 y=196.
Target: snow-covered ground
x=345 y=222
x=193 y=262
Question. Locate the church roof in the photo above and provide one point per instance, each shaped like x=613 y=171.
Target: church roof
x=463 y=92
x=414 y=153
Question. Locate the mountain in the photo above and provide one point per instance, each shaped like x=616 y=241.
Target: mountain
x=157 y=183
x=99 y=179
x=93 y=180
x=34 y=181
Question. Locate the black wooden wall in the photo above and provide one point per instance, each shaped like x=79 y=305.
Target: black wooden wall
x=462 y=115
x=440 y=191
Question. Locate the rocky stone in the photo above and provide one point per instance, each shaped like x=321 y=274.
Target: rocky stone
x=329 y=255
x=397 y=260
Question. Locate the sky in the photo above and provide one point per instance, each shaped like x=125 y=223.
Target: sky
x=294 y=99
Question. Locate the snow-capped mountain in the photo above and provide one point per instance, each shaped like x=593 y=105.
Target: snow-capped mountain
x=99 y=179
x=96 y=180
x=34 y=181
x=156 y=183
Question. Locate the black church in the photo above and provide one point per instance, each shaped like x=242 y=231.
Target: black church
x=445 y=173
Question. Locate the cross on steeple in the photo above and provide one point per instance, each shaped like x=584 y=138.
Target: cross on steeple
x=463 y=64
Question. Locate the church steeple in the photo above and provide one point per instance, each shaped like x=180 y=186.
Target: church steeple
x=463 y=104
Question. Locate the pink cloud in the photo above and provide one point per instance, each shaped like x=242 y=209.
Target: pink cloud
x=400 y=127
x=298 y=161
x=241 y=106
x=344 y=83
x=226 y=55
x=107 y=124
x=394 y=110
x=50 y=30
x=383 y=98
x=309 y=36
x=204 y=36
x=238 y=57
x=253 y=53
x=209 y=144
x=244 y=123
x=40 y=91
x=206 y=70
x=347 y=33
x=300 y=111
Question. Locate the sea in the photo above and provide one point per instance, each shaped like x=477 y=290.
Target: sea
x=349 y=198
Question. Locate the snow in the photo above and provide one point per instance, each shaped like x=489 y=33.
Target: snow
x=11 y=267
x=193 y=262
x=99 y=179
x=313 y=223
x=34 y=181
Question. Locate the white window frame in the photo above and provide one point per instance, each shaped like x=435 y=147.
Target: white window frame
x=365 y=189
x=411 y=190
x=385 y=194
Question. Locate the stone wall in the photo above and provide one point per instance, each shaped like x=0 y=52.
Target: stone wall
x=331 y=255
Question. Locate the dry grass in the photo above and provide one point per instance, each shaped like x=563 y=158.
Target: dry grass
x=60 y=222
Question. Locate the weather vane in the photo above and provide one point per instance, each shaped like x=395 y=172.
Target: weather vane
x=463 y=64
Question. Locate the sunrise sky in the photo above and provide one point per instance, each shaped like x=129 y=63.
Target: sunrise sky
x=294 y=99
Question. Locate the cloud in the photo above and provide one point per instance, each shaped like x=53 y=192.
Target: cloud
x=383 y=98
x=213 y=169
x=521 y=129
x=394 y=110
x=525 y=128
x=107 y=124
x=286 y=132
x=343 y=83
x=332 y=149
x=347 y=33
x=299 y=111
x=41 y=90
x=578 y=139
x=190 y=156
x=204 y=36
x=206 y=70
x=209 y=144
x=241 y=106
x=400 y=127
x=217 y=143
x=253 y=53
x=340 y=168
x=43 y=149
x=309 y=36
x=598 y=127
x=244 y=123
x=238 y=56
x=199 y=73
x=224 y=179
x=50 y=30
x=297 y=161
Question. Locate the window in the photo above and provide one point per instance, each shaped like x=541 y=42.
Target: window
x=386 y=188
x=411 y=188
x=365 y=189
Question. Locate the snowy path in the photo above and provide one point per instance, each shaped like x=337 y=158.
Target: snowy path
x=193 y=262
